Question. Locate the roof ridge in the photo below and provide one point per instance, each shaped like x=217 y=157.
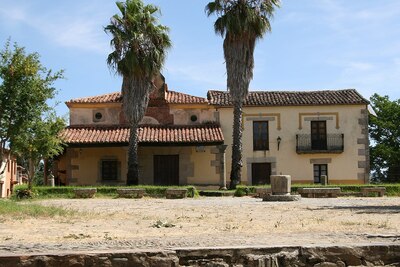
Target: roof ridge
x=291 y=98
x=118 y=126
x=290 y=91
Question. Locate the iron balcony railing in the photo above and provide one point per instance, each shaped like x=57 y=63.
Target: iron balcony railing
x=331 y=143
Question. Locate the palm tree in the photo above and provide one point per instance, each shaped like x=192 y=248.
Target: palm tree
x=139 y=43
x=241 y=23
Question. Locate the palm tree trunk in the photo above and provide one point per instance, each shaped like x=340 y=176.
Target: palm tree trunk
x=133 y=164
x=237 y=163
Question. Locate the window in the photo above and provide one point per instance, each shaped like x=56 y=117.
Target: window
x=98 y=115
x=260 y=135
x=109 y=170
x=193 y=118
x=320 y=169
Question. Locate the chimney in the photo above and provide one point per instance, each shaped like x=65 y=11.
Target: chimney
x=161 y=87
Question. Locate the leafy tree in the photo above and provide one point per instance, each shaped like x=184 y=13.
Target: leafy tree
x=40 y=141
x=241 y=23
x=384 y=131
x=140 y=45
x=25 y=87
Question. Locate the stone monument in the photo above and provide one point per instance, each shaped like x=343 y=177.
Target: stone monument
x=280 y=188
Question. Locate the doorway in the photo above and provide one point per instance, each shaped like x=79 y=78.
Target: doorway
x=166 y=169
x=318 y=135
x=260 y=173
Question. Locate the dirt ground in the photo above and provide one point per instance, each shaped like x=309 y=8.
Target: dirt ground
x=103 y=224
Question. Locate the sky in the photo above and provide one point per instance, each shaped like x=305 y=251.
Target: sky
x=314 y=45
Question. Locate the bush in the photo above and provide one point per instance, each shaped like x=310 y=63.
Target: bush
x=102 y=191
x=23 y=192
x=391 y=189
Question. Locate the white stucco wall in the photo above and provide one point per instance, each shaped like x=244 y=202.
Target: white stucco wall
x=342 y=168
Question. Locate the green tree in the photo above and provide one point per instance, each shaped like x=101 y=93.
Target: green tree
x=384 y=131
x=39 y=141
x=241 y=23
x=140 y=44
x=25 y=87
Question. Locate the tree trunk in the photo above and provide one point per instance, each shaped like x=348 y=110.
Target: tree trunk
x=31 y=173
x=133 y=164
x=236 y=167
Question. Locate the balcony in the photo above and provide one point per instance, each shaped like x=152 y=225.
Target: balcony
x=332 y=143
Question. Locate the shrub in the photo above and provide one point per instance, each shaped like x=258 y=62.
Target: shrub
x=102 y=191
x=391 y=189
x=23 y=192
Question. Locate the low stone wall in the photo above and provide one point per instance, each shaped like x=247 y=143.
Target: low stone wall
x=371 y=255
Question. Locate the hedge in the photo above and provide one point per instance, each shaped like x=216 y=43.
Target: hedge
x=102 y=191
x=391 y=189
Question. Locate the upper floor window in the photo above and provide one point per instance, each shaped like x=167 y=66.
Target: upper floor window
x=260 y=135
x=98 y=115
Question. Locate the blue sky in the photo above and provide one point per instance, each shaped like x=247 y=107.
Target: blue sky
x=314 y=44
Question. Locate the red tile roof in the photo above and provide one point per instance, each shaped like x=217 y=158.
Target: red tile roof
x=151 y=134
x=170 y=96
x=106 y=98
x=288 y=98
x=180 y=98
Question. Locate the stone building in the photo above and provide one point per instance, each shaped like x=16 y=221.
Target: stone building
x=185 y=139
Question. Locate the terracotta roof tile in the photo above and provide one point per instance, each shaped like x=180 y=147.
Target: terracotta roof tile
x=181 y=98
x=291 y=98
x=170 y=96
x=106 y=98
x=152 y=134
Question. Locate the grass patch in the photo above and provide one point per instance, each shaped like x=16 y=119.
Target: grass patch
x=47 y=192
x=22 y=210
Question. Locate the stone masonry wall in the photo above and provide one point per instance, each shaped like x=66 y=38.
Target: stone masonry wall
x=372 y=255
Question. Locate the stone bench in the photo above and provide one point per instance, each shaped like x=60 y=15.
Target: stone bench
x=262 y=192
x=85 y=192
x=319 y=192
x=175 y=193
x=366 y=191
x=130 y=192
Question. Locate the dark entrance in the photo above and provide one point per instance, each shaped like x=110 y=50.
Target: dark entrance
x=260 y=173
x=320 y=169
x=166 y=169
x=318 y=135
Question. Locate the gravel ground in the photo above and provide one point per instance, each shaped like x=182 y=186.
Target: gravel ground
x=102 y=224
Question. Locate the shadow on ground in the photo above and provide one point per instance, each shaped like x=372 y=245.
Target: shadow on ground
x=364 y=209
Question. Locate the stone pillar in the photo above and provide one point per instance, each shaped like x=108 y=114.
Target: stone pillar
x=222 y=167
x=281 y=184
x=51 y=180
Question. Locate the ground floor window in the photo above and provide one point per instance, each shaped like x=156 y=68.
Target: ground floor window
x=320 y=169
x=109 y=170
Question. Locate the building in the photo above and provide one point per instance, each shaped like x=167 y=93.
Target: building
x=185 y=139
x=8 y=174
x=303 y=134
